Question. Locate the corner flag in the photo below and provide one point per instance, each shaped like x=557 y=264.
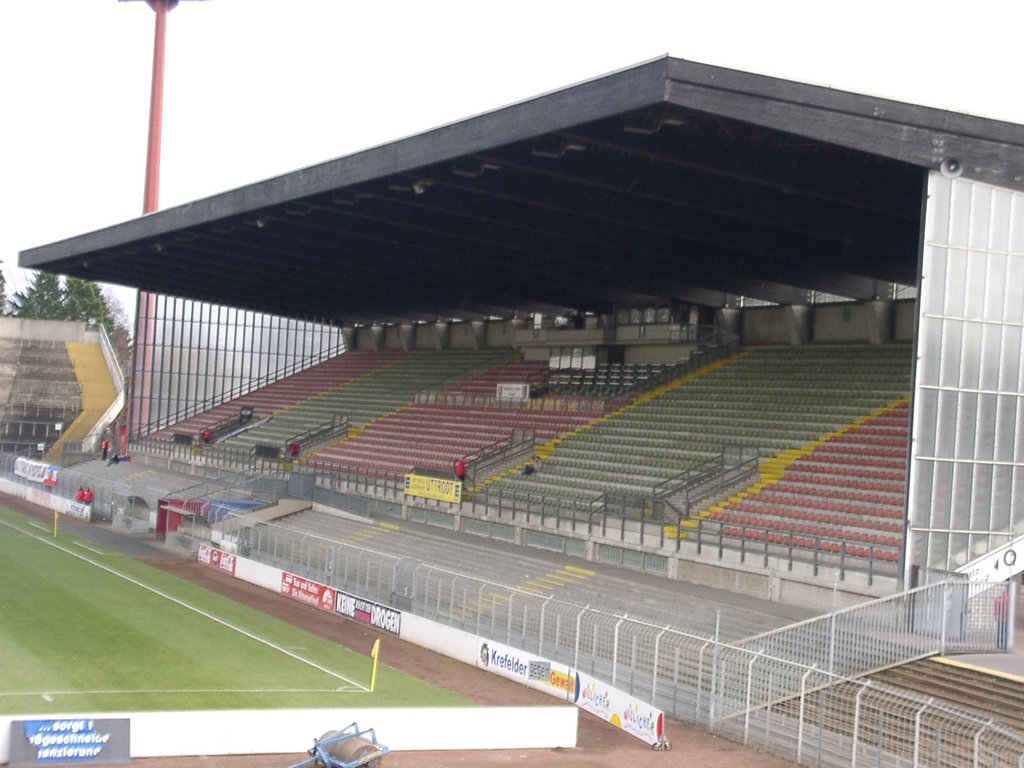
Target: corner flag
x=373 y=655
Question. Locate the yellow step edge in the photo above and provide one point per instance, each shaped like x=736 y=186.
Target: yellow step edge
x=582 y=571
x=777 y=465
x=547 y=582
x=560 y=578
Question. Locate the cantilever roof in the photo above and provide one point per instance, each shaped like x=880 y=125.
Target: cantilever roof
x=668 y=180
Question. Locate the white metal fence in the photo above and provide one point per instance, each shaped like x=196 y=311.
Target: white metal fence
x=791 y=691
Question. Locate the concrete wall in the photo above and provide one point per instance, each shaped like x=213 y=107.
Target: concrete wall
x=904 y=320
x=502 y=333
x=46 y=330
x=766 y=325
x=670 y=354
x=871 y=322
x=467 y=335
x=277 y=731
x=477 y=334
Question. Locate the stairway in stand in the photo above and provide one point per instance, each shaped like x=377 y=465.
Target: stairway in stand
x=849 y=491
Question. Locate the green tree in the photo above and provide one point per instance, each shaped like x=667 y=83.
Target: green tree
x=47 y=298
x=3 y=295
x=83 y=301
x=43 y=299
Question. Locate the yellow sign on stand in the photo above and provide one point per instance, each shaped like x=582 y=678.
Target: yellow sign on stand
x=427 y=487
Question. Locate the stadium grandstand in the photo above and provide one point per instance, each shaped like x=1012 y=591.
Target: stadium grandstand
x=701 y=325
x=61 y=385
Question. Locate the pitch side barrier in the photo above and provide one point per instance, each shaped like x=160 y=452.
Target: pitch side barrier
x=617 y=707
x=766 y=691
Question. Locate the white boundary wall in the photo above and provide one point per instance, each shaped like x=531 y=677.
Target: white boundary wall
x=292 y=731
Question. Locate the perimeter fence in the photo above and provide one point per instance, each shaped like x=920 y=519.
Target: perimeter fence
x=792 y=691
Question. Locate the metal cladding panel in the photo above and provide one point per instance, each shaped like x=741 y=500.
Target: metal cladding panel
x=967 y=463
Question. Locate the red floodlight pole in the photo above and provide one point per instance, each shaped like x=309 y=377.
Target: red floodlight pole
x=151 y=196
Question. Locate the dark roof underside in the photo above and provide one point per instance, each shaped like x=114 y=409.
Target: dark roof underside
x=669 y=180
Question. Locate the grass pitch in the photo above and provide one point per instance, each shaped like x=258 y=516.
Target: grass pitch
x=86 y=629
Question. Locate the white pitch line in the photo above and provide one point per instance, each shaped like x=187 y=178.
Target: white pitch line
x=189 y=607
x=124 y=691
x=86 y=546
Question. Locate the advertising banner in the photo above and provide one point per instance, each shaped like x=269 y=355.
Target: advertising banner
x=442 y=489
x=527 y=669
x=618 y=708
x=69 y=741
x=78 y=510
x=513 y=391
x=216 y=558
x=610 y=704
x=374 y=614
x=307 y=591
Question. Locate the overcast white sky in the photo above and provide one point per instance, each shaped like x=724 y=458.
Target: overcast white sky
x=255 y=88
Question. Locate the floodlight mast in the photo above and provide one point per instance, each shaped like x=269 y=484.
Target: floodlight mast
x=151 y=194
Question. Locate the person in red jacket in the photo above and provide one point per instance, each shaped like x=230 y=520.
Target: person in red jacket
x=87 y=496
x=80 y=496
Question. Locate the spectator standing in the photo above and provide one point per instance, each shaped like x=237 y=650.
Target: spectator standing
x=460 y=470
x=206 y=435
x=105 y=446
x=293 y=449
